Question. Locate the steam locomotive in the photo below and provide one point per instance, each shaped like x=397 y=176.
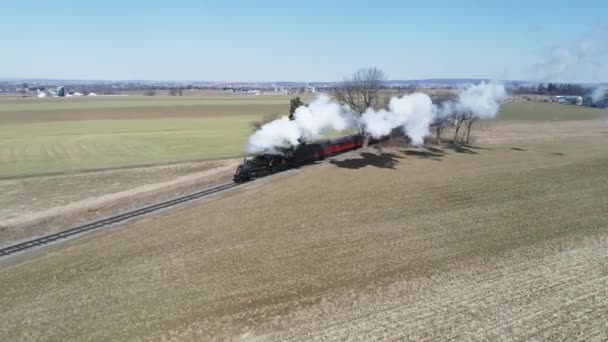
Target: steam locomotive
x=266 y=164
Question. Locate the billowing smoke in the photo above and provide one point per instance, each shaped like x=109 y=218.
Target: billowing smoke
x=310 y=122
x=322 y=116
x=599 y=93
x=277 y=133
x=413 y=113
x=483 y=100
x=580 y=60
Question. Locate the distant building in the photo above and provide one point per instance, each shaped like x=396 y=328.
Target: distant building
x=571 y=100
x=310 y=89
x=61 y=91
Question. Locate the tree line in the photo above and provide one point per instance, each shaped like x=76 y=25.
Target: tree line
x=552 y=89
x=362 y=91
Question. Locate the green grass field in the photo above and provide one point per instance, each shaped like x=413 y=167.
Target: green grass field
x=57 y=146
x=50 y=135
x=539 y=111
x=52 y=104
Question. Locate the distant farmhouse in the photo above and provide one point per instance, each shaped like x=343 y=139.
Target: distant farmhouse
x=572 y=100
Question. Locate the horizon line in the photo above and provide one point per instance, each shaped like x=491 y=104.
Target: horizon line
x=4 y=79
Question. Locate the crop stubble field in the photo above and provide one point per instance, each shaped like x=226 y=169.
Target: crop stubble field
x=506 y=239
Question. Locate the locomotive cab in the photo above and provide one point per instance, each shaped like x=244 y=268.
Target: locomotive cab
x=259 y=166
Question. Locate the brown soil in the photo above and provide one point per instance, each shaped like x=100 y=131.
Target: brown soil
x=34 y=207
x=501 y=240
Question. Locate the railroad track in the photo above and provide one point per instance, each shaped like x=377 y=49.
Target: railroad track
x=23 y=246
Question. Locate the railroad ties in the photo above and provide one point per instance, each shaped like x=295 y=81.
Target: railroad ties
x=23 y=246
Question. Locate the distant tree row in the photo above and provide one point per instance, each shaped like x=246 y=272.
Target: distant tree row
x=553 y=89
x=176 y=92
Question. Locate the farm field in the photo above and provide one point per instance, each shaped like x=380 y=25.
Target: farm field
x=229 y=103
x=54 y=135
x=80 y=145
x=35 y=206
x=505 y=239
x=41 y=136
x=543 y=111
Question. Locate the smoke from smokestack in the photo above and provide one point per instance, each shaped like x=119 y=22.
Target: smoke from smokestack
x=581 y=60
x=482 y=100
x=412 y=113
x=277 y=133
x=322 y=116
x=310 y=122
x=599 y=93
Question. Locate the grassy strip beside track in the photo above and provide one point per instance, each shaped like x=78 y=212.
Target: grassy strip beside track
x=46 y=147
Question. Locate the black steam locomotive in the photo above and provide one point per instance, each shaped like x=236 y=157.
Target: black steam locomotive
x=266 y=164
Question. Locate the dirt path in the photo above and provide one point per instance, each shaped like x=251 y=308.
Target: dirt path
x=38 y=206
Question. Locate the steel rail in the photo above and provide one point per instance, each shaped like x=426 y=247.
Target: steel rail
x=23 y=246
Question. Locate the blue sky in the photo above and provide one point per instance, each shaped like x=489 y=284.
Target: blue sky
x=304 y=40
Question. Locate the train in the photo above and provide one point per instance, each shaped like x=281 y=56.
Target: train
x=305 y=153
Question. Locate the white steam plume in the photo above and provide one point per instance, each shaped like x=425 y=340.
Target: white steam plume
x=322 y=116
x=310 y=122
x=599 y=93
x=581 y=60
x=413 y=113
x=483 y=100
x=277 y=133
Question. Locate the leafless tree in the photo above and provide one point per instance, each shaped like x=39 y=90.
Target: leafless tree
x=172 y=92
x=471 y=118
x=360 y=92
x=457 y=118
x=180 y=91
x=439 y=125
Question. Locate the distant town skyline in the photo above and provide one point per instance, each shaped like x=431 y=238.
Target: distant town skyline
x=272 y=41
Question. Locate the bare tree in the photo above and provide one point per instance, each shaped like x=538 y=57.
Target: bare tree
x=439 y=125
x=456 y=119
x=172 y=92
x=469 y=121
x=180 y=91
x=360 y=92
